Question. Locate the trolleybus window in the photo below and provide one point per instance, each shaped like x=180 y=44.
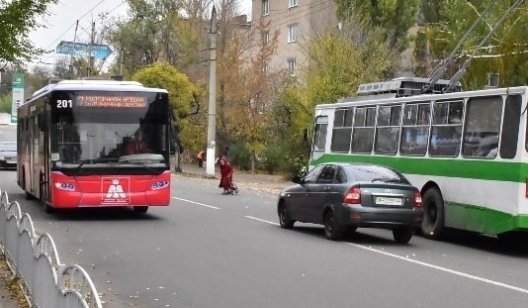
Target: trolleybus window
x=482 y=127
x=510 y=126
x=415 y=130
x=342 y=132
x=388 y=130
x=447 y=128
x=363 y=135
x=319 y=142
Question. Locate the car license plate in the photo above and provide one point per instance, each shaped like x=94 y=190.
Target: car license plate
x=389 y=201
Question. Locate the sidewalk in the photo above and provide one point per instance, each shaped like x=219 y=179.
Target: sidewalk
x=7 y=299
x=243 y=179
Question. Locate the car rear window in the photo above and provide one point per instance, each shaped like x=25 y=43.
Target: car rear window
x=372 y=173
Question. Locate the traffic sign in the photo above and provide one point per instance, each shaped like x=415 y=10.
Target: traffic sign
x=98 y=51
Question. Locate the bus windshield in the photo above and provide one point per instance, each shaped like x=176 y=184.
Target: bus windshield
x=113 y=132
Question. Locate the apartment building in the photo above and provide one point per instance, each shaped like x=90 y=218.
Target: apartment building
x=297 y=21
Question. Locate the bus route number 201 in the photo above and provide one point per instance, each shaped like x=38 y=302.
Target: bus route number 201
x=64 y=103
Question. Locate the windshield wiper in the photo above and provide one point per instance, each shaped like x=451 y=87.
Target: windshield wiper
x=78 y=168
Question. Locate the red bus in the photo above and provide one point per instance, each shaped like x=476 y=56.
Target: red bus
x=95 y=143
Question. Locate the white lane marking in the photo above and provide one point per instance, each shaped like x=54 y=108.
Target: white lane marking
x=425 y=264
x=262 y=220
x=197 y=203
x=443 y=269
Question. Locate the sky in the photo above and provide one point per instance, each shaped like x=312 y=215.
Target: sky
x=61 y=20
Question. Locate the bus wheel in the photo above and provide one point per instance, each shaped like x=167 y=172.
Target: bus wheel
x=140 y=209
x=433 y=219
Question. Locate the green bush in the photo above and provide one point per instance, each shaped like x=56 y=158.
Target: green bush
x=240 y=156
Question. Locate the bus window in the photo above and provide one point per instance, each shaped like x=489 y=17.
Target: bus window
x=447 y=128
x=363 y=135
x=388 y=130
x=510 y=126
x=415 y=130
x=482 y=127
x=342 y=131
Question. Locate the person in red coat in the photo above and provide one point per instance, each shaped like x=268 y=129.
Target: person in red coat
x=226 y=174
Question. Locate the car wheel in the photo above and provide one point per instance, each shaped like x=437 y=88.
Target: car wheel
x=402 y=235
x=433 y=219
x=284 y=217
x=333 y=231
x=140 y=209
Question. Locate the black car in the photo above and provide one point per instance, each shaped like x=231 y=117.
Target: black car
x=345 y=196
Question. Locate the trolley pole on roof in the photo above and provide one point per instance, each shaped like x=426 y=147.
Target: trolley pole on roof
x=211 y=129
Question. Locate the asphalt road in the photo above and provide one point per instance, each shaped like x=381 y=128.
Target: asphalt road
x=209 y=250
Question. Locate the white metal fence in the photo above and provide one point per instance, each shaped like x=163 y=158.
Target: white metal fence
x=46 y=282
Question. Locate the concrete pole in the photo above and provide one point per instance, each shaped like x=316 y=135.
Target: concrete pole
x=211 y=129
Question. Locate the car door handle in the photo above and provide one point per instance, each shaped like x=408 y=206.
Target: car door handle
x=326 y=188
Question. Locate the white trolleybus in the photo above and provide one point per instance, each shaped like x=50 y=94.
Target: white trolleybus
x=467 y=152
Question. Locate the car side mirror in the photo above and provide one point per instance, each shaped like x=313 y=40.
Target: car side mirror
x=298 y=179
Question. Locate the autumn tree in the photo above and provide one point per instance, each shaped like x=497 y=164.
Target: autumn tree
x=504 y=52
x=340 y=60
x=183 y=95
x=17 y=19
x=252 y=91
x=393 y=17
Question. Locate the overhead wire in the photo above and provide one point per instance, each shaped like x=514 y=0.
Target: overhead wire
x=73 y=24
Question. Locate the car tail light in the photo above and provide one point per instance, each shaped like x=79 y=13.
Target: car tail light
x=353 y=196
x=417 y=200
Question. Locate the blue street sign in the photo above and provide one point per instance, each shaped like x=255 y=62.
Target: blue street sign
x=98 y=51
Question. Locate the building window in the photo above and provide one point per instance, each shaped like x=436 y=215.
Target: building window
x=265 y=7
x=265 y=38
x=292 y=65
x=293 y=3
x=292 y=33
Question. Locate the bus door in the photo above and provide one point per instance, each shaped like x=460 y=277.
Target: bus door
x=33 y=155
x=44 y=155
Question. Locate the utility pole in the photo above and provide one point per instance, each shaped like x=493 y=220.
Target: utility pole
x=90 y=56
x=211 y=129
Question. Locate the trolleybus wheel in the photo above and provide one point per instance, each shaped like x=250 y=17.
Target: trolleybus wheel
x=433 y=219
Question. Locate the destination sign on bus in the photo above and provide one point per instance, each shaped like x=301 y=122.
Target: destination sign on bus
x=111 y=101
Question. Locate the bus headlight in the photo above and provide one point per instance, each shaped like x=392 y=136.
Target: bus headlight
x=160 y=185
x=65 y=186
